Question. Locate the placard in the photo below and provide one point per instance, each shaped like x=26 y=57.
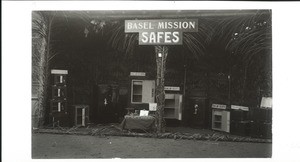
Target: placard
x=236 y=107
x=56 y=71
x=218 y=106
x=160 y=38
x=161 y=31
x=171 y=88
x=266 y=102
x=137 y=74
x=162 y=25
x=152 y=106
x=144 y=113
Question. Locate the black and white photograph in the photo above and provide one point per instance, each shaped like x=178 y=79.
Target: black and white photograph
x=151 y=83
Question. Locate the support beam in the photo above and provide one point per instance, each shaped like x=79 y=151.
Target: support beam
x=161 y=53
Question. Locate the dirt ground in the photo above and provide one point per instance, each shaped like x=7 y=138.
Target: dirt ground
x=55 y=146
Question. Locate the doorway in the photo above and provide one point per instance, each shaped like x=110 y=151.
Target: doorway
x=109 y=103
x=198 y=112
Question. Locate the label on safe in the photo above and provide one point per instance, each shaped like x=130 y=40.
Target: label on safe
x=137 y=74
x=244 y=108
x=218 y=106
x=57 y=71
x=171 y=88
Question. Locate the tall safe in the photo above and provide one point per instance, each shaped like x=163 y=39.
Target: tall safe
x=173 y=106
x=58 y=103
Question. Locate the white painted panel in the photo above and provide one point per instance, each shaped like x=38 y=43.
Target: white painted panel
x=58 y=92
x=83 y=116
x=169 y=96
x=58 y=105
x=148 y=91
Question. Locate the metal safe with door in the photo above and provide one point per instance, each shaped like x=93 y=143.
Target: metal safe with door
x=173 y=106
x=142 y=91
x=221 y=120
x=81 y=115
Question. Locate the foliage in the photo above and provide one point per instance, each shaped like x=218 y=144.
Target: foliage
x=40 y=32
x=246 y=42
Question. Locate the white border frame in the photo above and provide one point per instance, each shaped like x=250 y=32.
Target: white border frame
x=16 y=65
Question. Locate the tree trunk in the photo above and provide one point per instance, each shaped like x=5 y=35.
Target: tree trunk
x=161 y=56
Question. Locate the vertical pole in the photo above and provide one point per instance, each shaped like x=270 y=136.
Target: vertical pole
x=184 y=80
x=53 y=122
x=83 y=116
x=229 y=90
x=161 y=53
x=229 y=82
x=184 y=95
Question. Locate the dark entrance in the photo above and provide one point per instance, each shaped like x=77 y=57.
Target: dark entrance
x=109 y=103
x=198 y=112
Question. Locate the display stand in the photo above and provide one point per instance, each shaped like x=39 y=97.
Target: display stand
x=58 y=102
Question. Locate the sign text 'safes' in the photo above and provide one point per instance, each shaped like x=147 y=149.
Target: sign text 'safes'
x=161 y=32
x=157 y=38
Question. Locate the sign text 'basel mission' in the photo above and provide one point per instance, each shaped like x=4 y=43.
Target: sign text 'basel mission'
x=161 y=32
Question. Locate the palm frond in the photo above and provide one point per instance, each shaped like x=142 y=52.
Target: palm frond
x=243 y=35
x=121 y=41
x=197 y=42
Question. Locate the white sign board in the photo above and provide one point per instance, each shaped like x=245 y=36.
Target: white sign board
x=170 y=88
x=137 y=74
x=235 y=107
x=266 y=102
x=218 y=106
x=161 y=31
x=56 y=71
x=144 y=113
x=152 y=106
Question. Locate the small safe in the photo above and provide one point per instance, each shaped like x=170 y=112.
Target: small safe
x=221 y=120
x=81 y=115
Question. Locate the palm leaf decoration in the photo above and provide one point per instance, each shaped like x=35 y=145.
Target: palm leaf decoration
x=120 y=40
x=245 y=36
x=41 y=25
x=196 y=43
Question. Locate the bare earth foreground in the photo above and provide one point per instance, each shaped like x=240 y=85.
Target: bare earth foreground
x=48 y=146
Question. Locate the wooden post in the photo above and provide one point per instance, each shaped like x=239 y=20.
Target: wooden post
x=161 y=57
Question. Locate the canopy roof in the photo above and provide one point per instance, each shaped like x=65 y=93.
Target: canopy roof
x=122 y=14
